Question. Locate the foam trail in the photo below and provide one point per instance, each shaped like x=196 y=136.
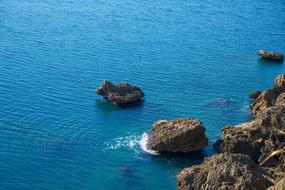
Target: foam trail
x=144 y=144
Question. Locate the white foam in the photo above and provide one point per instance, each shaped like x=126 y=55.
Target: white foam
x=144 y=144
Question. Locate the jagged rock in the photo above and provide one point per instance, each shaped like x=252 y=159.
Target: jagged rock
x=122 y=93
x=274 y=56
x=180 y=135
x=280 y=185
x=281 y=100
x=254 y=94
x=224 y=172
x=280 y=80
x=266 y=99
x=256 y=138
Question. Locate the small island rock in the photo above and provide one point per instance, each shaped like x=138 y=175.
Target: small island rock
x=119 y=94
x=180 y=135
x=274 y=56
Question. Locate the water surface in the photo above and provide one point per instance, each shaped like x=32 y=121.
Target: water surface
x=191 y=58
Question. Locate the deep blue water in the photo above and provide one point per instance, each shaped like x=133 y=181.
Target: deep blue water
x=191 y=58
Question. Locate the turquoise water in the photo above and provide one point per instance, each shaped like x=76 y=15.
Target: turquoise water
x=191 y=58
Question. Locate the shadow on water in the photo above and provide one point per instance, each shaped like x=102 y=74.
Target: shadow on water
x=271 y=62
x=180 y=160
x=108 y=106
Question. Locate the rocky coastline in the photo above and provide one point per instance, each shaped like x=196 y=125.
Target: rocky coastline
x=250 y=155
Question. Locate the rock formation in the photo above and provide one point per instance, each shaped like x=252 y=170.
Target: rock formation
x=224 y=172
x=258 y=141
x=268 y=97
x=180 y=135
x=119 y=94
x=274 y=56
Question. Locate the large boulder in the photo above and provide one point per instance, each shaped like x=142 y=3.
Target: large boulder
x=224 y=172
x=122 y=93
x=180 y=135
x=274 y=56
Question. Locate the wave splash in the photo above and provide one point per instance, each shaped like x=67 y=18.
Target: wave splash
x=144 y=144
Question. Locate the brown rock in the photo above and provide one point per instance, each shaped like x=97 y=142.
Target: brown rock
x=180 y=135
x=122 y=93
x=280 y=185
x=274 y=56
x=266 y=99
x=224 y=172
x=280 y=81
x=254 y=94
x=281 y=100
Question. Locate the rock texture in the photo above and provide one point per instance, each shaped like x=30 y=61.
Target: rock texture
x=279 y=186
x=180 y=135
x=122 y=93
x=224 y=172
x=280 y=81
x=269 y=97
x=274 y=56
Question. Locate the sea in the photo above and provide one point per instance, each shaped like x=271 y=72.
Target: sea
x=195 y=59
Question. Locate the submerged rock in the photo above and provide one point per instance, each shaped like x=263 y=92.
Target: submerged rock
x=224 y=172
x=274 y=56
x=254 y=94
x=122 y=93
x=180 y=135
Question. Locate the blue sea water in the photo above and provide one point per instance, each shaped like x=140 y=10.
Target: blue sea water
x=191 y=58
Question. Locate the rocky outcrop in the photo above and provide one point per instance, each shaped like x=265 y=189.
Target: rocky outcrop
x=180 y=135
x=274 y=56
x=119 y=94
x=268 y=97
x=224 y=172
x=280 y=81
x=278 y=186
x=254 y=94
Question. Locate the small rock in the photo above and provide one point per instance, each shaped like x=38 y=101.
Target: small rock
x=119 y=94
x=180 y=135
x=224 y=172
x=274 y=56
x=253 y=95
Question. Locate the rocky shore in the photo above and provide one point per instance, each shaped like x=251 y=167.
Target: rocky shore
x=250 y=155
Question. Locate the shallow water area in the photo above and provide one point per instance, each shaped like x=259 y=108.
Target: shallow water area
x=191 y=58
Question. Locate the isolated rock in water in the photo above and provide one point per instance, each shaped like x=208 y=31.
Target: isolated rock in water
x=254 y=94
x=180 y=135
x=274 y=56
x=224 y=172
x=266 y=99
x=280 y=185
x=280 y=80
x=122 y=93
